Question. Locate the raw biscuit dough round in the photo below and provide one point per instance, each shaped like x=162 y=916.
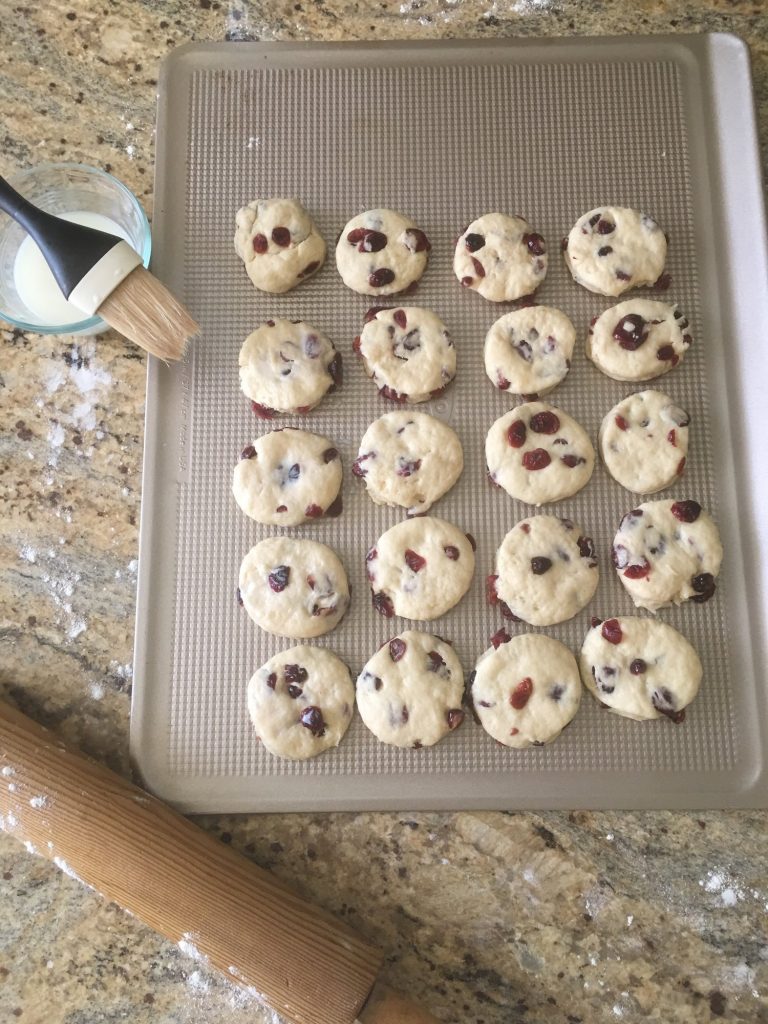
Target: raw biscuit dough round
x=279 y=244
x=526 y=690
x=381 y=252
x=638 y=340
x=409 y=460
x=293 y=587
x=613 y=248
x=640 y=668
x=420 y=568
x=287 y=366
x=409 y=693
x=666 y=552
x=538 y=454
x=287 y=477
x=528 y=351
x=644 y=441
x=500 y=257
x=301 y=702
x=408 y=352
x=546 y=571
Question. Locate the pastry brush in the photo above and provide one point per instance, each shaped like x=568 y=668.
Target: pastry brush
x=102 y=274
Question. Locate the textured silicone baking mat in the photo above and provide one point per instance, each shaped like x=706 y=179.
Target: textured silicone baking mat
x=441 y=135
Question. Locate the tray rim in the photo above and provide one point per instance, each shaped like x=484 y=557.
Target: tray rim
x=723 y=62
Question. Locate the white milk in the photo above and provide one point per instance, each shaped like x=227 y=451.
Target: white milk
x=36 y=285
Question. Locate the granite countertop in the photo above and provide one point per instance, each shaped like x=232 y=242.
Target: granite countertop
x=488 y=917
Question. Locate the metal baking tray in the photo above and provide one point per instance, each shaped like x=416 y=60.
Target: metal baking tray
x=444 y=132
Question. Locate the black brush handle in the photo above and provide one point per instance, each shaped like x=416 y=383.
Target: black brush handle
x=70 y=250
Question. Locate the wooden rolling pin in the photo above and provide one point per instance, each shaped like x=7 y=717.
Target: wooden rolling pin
x=185 y=884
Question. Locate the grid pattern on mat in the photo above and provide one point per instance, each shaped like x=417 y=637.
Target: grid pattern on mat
x=441 y=144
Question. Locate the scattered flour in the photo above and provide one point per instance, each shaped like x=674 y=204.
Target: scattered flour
x=7 y=771
x=39 y=801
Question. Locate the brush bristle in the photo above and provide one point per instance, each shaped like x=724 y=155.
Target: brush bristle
x=142 y=309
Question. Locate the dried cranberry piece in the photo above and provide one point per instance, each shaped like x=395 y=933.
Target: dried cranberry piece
x=263 y=411
x=397 y=648
x=272 y=680
x=383 y=604
x=260 y=244
x=605 y=250
x=521 y=693
x=704 y=585
x=394 y=396
x=357 y=466
x=594 y=621
x=638 y=571
x=605 y=227
x=490 y=589
x=501 y=381
x=416 y=240
x=294 y=691
x=281 y=236
x=479 y=268
x=295 y=674
x=516 y=434
x=407 y=467
x=313 y=512
x=281 y=508
x=544 y=423
x=378 y=278
x=535 y=459
x=672 y=437
x=249 y=452
x=474 y=242
x=414 y=561
x=330 y=454
x=594 y=219
x=356 y=235
x=434 y=662
x=467 y=281
x=404 y=714
x=540 y=565
x=666 y=354
x=279 y=578
x=663 y=700
x=611 y=631
x=571 y=461
x=680 y=466
x=507 y=612
x=686 y=511
x=455 y=717
x=637 y=667
x=535 y=244
x=621 y=423
x=372 y=313
x=500 y=637
x=622 y=275
x=400 y=318
x=312 y=718
x=372 y=241
x=630 y=331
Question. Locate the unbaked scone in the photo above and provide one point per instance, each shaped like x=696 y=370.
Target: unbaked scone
x=420 y=568
x=288 y=477
x=500 y=257
x=279 y=244
x=666 y=552
x=538 y=454
x=528 y=351
x=546 y=571
x=638 y=340
x=287 y=366
x=293 y=587
x=526 y=690
x=644 y=441
x=409 y=693
x=612 y=249
x=408 y=352
x=640 y=668
x=380 y=252
x=409 y=459
x=301 y=702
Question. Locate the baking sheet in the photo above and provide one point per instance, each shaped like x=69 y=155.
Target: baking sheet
x=444 y=133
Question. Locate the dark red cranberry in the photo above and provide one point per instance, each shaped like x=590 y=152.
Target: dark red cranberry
x=313 y=512
x=507 y=612
x=630 y=331
x=357 y=466
x=383 y=604
x=586 y=547
x=263 y=411
x=490 y=589
x=451 y=552
x=638 y=667
x=416 y=240
x=621 y=423
x=397 y=648
x=336 y=507
x=622 y=275
x=294 y=691
x=594 y=621
x=312 y=718
x=414 y=561
x=408 y=468
x=479 y=268
x=516 y=434
x=404 y=714
x=680 y=466
x=330 y=454
x=537 y=458
x=295 y=674
x=594 y=219
x=474 y=242
x=525 y=527
x=545 y=423
x=378 y=278
x=467 y=281
x=666 y=354
x=611 y=631
x=605 y=250
x=686 y=511
x=272 y=680
x=302 y=410
x=605 y=227
x=356 y=235
x=499 y=638
x=434 y=662
x=372 y=241
x=672 y=437
x=281 y=236
x=501 y=381
x=249 y=452
x=535 y=244
x=279 y=578
x=400 y=319
x=540 y=565
x=281 y=508
x=638 y=571
x=394 y=396
x=704 y=585
x=260 y=244
x=571 y=461
x=663 y=700
x=521 y=693
x=455 y=717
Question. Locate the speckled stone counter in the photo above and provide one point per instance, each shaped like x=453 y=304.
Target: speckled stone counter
x=489 y=918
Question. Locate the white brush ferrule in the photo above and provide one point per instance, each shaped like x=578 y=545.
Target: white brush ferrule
x=103 y=277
